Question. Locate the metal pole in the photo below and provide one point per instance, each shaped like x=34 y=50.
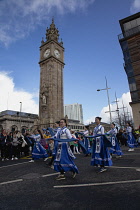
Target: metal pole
x=108 y=101
x=124 y=113
x=20 y=114
x=118 y=109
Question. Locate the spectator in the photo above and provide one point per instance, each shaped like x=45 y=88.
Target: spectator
x=3 y=138
x=15 y=147
x=122 y=138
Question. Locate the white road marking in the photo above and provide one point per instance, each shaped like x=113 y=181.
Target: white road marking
x=130 y=154
x=125 y=167
x=96 y=184
x=14 y=164
x=13 y=181
x=51 y=174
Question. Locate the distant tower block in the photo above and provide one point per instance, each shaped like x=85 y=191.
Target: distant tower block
x=74 y=111
x=51 y=78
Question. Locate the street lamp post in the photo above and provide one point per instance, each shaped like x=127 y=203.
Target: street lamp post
x=107 y=88
x=20 y=113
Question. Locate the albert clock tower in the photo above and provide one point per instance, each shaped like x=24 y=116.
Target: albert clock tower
x=51 y=78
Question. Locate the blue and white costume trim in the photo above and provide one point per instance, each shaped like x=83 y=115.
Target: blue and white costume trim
x=115 y=147
x=100 y=153
x=131 y=141
x=63 y=155
x=85 y=144
x=38 y=150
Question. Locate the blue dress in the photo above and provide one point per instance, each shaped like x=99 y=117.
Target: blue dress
x=131 y=141
x=64 y=156
x=100 y=153
x=38 y=150
x=115 y=147
x=86 y=142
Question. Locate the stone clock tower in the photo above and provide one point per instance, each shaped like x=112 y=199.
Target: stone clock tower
x=51 y=78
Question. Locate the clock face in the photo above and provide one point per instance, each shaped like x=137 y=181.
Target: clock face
x=46 y=53
x=57 y=53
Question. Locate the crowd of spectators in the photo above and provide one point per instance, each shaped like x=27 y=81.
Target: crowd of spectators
x=14 y=145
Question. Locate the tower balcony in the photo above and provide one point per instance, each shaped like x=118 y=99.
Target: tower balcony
x=129 y=33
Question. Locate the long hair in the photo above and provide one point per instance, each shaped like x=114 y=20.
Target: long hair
x=39 y=131
x=129 y=124
x=113 y=124
x=87 y=127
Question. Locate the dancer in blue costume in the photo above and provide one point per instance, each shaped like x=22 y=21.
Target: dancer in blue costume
x=53 y=132
x=57 y=126
x=115 y=148
x=131 y=141
x=86 y=140
x=100 y=153
x=64 y=157
x=86 y=144
x=38 y=150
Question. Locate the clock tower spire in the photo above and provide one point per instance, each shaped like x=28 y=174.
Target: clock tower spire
x=51 y=78
x=52 y=33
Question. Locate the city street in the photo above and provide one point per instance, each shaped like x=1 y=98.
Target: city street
x=32 y=186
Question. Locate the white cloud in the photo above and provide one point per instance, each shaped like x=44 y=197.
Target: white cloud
x=125 y=99
x=19 y=17
x=135 y=7
x=90 y=120
x=10 y=97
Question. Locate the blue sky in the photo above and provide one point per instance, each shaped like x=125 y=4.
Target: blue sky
x=89 y=29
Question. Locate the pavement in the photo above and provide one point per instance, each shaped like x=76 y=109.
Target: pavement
x=33 y=186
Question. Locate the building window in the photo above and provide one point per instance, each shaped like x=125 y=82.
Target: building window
x=131 y=24
x=124 y=45
x=129 y=70
x=132 y=84
x=126 y=56
x=14 y=128
x=134 y=96
x=127 y=26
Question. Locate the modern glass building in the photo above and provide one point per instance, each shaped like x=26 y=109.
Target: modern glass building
x=130 y=44
x=74 y=111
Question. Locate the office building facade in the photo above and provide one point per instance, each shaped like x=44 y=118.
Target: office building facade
x=74 y=111
x=130 y=44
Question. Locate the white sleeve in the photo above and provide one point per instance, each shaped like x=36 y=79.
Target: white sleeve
x=102 y=130
x=85 y=132
x=55 y=136
x=68 y=134
x=108 y=132
x=73 y=135
x=37 y=138
x=116 y=131
x=94 y=133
